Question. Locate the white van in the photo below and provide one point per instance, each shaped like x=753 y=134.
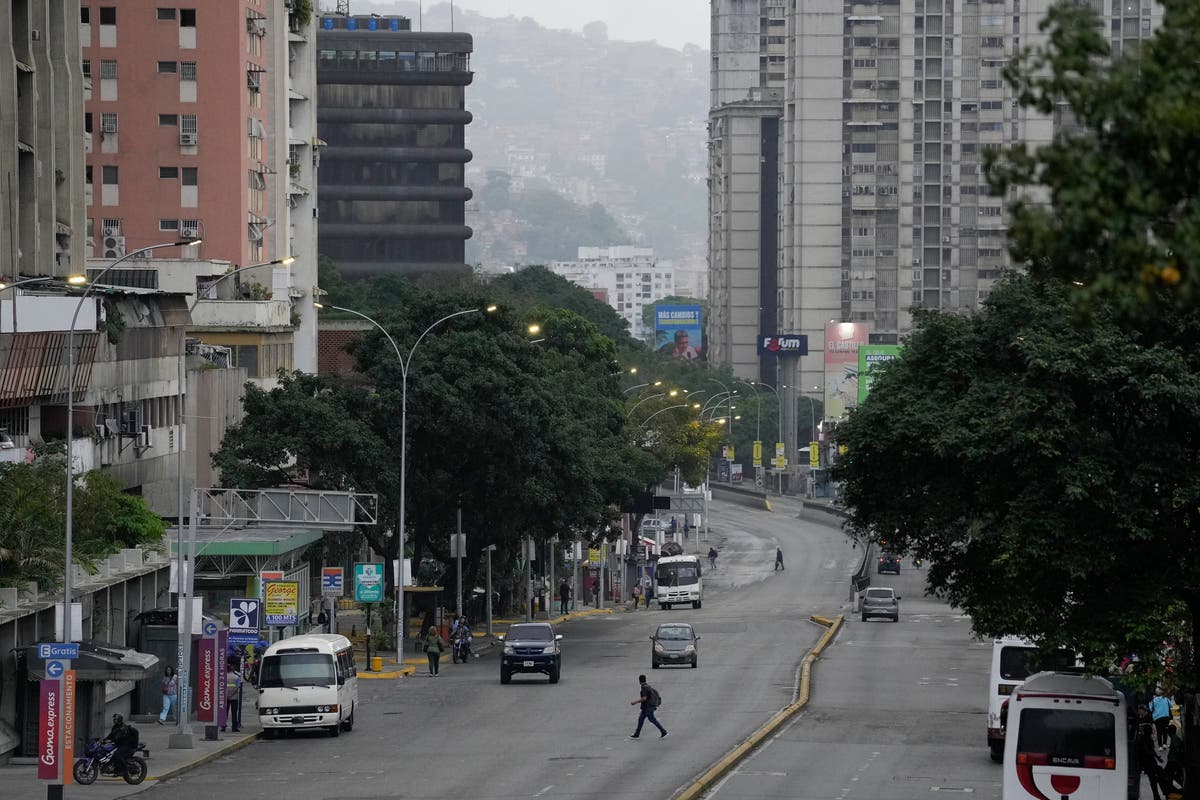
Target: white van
x=678 y=579
x=1067 y=737
x=308 y=682
x=1013 y=660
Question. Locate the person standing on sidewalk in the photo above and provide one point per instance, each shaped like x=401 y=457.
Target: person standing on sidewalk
x=434 y=646
x=233 y=695
x=637 y=595
x=564 y=597
x=649 y=700
x=1160 y=710
x=779 y=559
x=170 y=694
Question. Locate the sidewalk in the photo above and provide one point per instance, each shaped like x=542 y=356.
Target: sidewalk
x=19 y=777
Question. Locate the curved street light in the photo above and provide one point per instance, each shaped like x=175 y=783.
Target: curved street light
x=641 y=386
x=405 y=363
x=729 y=392
x=66 y=629
x=664 y=410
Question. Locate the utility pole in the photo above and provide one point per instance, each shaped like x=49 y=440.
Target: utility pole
x=527 y=543
x=553 y=585
x=489 y=550
x=458 y=549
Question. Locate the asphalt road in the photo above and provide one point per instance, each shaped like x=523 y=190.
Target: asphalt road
x=898 y=711
x=465 y=735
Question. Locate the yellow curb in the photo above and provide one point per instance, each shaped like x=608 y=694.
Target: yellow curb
x=217 y=753
x=383 y=676
x=767 y=503
x=726 y=762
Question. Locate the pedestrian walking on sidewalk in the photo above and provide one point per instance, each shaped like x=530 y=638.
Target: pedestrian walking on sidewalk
x=1160 y=711
x=434 y=646
x=637 y=595
x=779 y=559
x=564 y=596
x=170 y=694
x=649 y=700
x=712 y=558
x=1145 y=758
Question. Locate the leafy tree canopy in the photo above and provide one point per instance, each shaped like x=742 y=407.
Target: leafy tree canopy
x=33 y=520
x=1050 y=472
x=1123 y=222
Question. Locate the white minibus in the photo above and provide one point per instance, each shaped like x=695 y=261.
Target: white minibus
x=1013 y=660
x=1067 y=738
x=678 y=580
x=308 y=682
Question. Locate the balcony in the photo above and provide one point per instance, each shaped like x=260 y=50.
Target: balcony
x=268 y=314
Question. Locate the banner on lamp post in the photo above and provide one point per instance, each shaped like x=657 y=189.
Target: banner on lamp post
x=49 y=730
x=206 y=688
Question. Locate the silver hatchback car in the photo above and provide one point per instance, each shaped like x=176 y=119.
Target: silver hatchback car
x=881 y=602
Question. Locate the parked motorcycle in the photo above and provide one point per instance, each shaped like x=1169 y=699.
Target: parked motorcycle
x=460 y=648
x=100 y=759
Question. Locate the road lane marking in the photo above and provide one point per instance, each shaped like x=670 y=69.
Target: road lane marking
x=543 y=791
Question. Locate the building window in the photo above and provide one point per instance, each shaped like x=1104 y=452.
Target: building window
x=168 y=119
x=188 y=124
x=190 y=176
x=109 y=175
x=108 y=69
x=108 y=122
x=168 y=172
x=168 y=224
x=87 y=68
x=108 y=15
x=187 y=17
x=85 y=15
x=187 y=70
x=166 y=13
x=87 y=122
x=167 y=68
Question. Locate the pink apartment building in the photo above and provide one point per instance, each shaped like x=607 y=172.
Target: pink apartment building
x=179 y=118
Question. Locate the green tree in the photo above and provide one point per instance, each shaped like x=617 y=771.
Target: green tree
x=33 y=520
x=1123 y=222
x=1050 y=472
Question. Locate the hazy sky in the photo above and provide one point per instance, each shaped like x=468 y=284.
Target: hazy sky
x=672 y=22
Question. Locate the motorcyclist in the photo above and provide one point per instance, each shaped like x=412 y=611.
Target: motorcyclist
x=124 y=740
x=460 y=636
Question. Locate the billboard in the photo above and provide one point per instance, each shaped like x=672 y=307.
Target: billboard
x=281 y=603
x=783 y=344
x=870 y=358
x=679 y=331
x=842 y=340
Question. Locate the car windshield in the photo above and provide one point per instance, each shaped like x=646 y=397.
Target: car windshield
x=677 y=574
x=879 y=594
x=530 y=633
x=675 y=632
x=297 y=669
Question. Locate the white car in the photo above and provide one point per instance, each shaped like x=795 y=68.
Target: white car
x=652 y=525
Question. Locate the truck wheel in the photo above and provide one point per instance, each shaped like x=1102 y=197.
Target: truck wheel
x=665 y=606
x=505 y=676
x=696 y=603
x=997 y=753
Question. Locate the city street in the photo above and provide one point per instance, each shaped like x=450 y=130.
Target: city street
x=898 y=710
x=465 y=735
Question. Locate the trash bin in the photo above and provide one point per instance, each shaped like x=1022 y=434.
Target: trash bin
x=376 y=663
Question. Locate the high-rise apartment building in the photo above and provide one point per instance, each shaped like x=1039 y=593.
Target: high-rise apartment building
x=628 y=278
x=887 y=111
x=392 y=109
x=41 y=139
x=200 y=124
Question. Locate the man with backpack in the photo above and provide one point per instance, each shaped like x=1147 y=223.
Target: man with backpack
x=650 y=700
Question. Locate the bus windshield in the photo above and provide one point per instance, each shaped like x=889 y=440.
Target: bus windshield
x=288 y=670
x=677 y=574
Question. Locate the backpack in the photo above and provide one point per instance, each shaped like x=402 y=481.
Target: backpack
x=655 y=697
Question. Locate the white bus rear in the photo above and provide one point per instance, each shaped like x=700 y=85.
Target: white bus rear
x=1067 y=738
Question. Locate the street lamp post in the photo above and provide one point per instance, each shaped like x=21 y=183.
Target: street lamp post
x=730 y=395
x=405 y=363
x=66 y=629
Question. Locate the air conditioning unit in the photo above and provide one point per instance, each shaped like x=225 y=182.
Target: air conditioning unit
x=145 y=439
x=112 y=231
x=189 y=233
x=187 y=139
x=35 y=35
x=109 y=126
x=101 y=430
x=114 y=246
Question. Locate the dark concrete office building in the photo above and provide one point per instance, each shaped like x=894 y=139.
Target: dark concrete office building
x=391 y=109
